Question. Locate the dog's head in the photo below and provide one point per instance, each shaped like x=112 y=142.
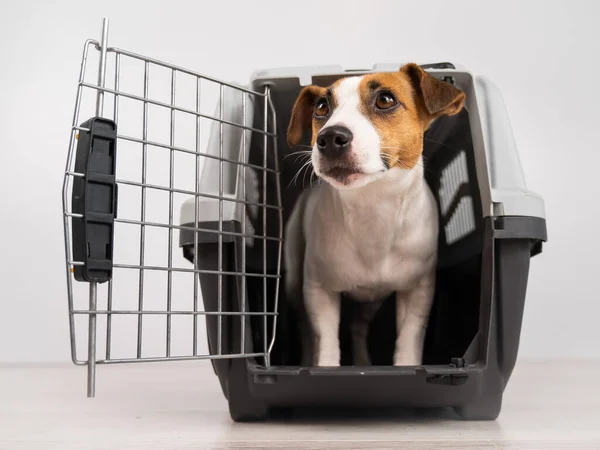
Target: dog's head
x=364 y=126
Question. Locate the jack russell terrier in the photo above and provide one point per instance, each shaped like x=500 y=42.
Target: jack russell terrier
x=372 y=228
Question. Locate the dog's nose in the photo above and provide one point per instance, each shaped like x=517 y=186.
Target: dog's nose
x=334 y=140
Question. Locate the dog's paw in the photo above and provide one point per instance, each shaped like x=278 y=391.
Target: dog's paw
x=330 y=363
x=362 y=359
x=407 y=360
x=329 y=360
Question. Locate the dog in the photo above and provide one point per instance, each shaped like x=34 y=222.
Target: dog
x=371 y=229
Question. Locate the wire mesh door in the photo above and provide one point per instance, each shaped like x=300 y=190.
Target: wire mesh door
x=155 y=147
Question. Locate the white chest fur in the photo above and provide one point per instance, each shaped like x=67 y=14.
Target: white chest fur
x=371 y=241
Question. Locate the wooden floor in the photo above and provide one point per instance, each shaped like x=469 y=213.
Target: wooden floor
x=548 y=405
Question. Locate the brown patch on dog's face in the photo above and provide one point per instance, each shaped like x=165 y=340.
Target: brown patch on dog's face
x=401 y=107
x=388 y=101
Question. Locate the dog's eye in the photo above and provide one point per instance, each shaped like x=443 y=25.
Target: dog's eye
x=322 y=107
x=385 y=100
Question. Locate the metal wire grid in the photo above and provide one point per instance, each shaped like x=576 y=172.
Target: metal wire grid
x=92 y=311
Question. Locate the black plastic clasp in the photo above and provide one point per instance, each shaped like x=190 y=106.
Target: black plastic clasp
x=522 y=227
x=95 y=198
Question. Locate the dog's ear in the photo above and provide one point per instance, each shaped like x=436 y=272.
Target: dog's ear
x=439 y=97
x=302 y=113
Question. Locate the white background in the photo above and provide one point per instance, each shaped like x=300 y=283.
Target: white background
x=543 y=55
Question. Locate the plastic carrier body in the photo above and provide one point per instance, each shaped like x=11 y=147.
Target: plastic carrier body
x=231 y=232
x=490 y=227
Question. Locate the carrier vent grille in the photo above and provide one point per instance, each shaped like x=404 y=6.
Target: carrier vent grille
x=456 y=202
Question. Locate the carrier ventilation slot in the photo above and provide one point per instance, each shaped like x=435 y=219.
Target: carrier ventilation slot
x=456 y=202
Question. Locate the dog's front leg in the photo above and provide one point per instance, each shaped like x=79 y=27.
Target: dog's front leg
x=323 y=309
x=412 y=315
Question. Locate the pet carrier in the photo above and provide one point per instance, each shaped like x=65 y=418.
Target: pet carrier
x=156 y=304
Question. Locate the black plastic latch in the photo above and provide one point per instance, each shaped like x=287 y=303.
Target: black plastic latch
x=459 y=363
x=95 y=198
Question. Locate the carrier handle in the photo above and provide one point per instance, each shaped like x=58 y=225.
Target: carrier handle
x=94 y=200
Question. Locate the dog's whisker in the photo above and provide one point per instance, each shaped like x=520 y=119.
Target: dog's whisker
x=305 y=146
x=312 y=176
x=441 y=143
x=398 y=148
x=295 y=178
x=304 y=177
x=394 y=148
x=301 y=152
x=300 y=157
x=397 y=160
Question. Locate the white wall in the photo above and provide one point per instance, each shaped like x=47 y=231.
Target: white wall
x=544 y=56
